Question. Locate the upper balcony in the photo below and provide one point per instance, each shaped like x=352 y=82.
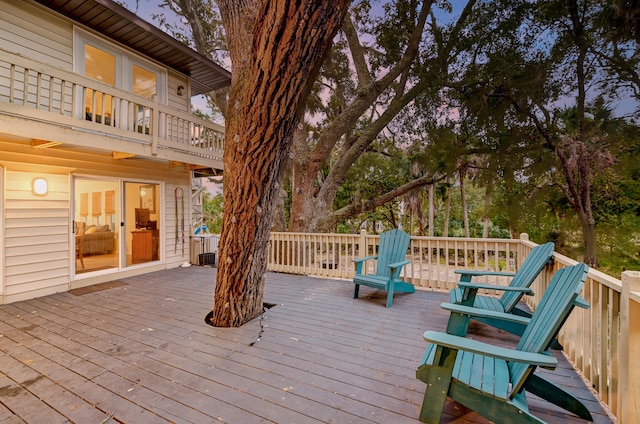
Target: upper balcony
x=53 y=101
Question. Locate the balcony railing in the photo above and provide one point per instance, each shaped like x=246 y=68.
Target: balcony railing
x=600 y=341
x=47 y=94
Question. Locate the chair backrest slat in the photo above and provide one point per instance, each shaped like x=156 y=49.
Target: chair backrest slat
x=533 y=264
x=551 y=313
x=393 y=248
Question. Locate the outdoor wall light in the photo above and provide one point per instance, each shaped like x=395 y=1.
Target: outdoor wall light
x=180 y=90
x=39 y=186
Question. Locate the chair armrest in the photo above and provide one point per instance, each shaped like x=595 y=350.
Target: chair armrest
x=366 y=258
x=479 y=272
x=474 y=346
x=484 y=313
x=399 y=264
x=581 y=302
x=468 y=285
x=359 y=263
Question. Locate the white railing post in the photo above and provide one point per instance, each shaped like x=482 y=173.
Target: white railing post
x=521 y=249
x=154 y=127
x=362 y=246
x=629 y=349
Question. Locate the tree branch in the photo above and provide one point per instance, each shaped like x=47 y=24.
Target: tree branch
x=357 y=53
x=369 y=205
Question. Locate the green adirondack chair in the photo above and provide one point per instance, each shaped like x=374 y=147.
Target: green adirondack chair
x=466 y=292
x=391 y=257
x=493 y=380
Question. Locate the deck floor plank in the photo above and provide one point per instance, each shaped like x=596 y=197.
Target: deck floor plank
x=142 y=350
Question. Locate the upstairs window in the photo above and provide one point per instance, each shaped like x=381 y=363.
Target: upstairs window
x=144 y=82
x=99 y=65
x=98 y=59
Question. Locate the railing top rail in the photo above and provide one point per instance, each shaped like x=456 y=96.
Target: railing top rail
x=468 y=239
x=52 y=71
x=70 y=76
x=293 y=233
x=595 y=275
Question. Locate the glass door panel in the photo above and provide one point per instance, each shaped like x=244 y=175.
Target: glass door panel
x=142 y=222
x=95 y=218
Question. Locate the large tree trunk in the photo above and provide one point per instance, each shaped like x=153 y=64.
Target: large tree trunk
x=447 y=213
x=463 y=200
x=276 y=49
x=432 y=210
x=590 y=256
x=312 y=204
x=485 y=215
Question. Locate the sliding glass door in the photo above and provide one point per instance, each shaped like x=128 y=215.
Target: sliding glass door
x=116 y=224
x=96 y=224
x=142 y=222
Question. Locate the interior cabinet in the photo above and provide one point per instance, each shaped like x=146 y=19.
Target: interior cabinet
x=144 y=246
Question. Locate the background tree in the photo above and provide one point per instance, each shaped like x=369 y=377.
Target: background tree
x=388 y=74
x=496 y=80
x=212 y=211
x=548 y=60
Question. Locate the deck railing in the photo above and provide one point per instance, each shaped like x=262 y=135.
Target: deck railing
x=41 y=92
x=603 y=342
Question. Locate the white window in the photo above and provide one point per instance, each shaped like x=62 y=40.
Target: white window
x=110 y=64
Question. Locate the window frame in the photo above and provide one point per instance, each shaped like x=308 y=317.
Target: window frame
x=125 y=60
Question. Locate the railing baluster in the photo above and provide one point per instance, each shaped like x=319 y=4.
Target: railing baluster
x=38 y=90
x=12 y=82
x=25 y=93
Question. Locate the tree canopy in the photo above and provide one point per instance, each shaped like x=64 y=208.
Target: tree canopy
x=533 y=104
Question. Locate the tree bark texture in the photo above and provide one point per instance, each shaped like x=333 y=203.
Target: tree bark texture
x=463 y=200
x=432 y=210
x=276 y=49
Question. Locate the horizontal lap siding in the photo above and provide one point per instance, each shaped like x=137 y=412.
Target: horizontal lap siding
x=35 y=33
x=36 y=236
x=37 y=232
x=175 y=101
x=175 y=255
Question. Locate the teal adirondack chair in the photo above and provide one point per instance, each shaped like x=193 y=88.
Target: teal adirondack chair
x=466 y=292
x=391 y=257
x=493 y=380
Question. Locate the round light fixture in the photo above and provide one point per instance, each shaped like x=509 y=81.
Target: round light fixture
x=39 y=186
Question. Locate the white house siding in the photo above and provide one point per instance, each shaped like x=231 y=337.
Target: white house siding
x=1 y=234
x=33 y=32
x=178 y=102
x=37 y=229
x=36 y=240
x=36 y=236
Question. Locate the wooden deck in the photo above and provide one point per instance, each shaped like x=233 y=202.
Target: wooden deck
x=139 y=351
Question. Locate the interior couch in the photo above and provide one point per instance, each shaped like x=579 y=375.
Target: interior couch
x=97 y=240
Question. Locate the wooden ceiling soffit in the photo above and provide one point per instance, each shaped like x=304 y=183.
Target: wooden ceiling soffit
x=122 y=155
x=44 y=144
x=200 y=171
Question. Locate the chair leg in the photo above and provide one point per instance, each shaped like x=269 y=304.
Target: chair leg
x=438 y=382
x=356 y=290
x=390 y=297
x=556 y=395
